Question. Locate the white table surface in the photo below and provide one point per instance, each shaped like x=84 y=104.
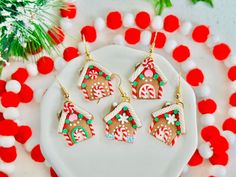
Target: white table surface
x=221 y=19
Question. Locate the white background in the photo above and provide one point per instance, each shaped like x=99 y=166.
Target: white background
x=221 y=19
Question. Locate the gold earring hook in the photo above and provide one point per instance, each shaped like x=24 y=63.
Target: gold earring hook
x=124 y=96
x=87 y=52
x=179 y=99
x=63 y=89
x=151 y=51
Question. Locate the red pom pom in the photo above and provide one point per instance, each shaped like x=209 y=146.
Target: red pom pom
x=143 y=19
x=207 y=106
x=69 y=10
x=1 y=117
x=26 y=94
x=132 y=35
x=70 y=53
x=195 y=77
x=2 y=86
x=53 y=173
x=20 y=75
x=219 y=144
x=56 y=34
x=181 y=53
x=232 y=99
x=10 y=99
x=232 y=73
x=114 y=20
x=3 y=174
x=209 y=132
x=171 y=23
x=24 y=133
x=160 y=39
x=8 y=128
x=45 y=65
x=8 y=154
x=230 y=124
x=200 y=33
x=37 y=155
x=89 y=33
x=196 y=159
x=221 y=51
x=219 y=159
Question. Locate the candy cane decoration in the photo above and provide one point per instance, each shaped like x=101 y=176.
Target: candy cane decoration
x=134 y=91
x=99 y=91
x=147 y=91
x=162 y=134
x=77 y=135
x=117 y=134
x=85 y=93
x=68 y=140
x=92 y=129
x=151 y=127
x=148 y=63
x=160 y=92
x=107 y=128
x=93 y=74
x=110 y=87
x=68 y=107
x=123 y=133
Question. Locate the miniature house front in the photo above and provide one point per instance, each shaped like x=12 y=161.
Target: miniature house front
x=122 y=123
x=95 y=81
x=147 y=81
x=75 y=124
x=168 y=123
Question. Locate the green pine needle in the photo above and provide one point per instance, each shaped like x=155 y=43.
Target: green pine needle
x=210 y=2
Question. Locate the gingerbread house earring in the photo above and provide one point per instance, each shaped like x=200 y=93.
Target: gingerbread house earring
x=94 y=79
x=168 y=122
x=75 y=124
x=122 y=122
x=148 y=80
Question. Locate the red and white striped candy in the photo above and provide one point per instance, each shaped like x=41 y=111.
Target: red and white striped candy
x=147 y=91
x=68 y=107
x=162 y=134
x=93 y=74
x=99 y=91
x=148 y=63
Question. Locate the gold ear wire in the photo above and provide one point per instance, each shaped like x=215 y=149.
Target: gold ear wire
x=124 y=96
x=87 y=52
x=179 y=99
x=63 y=89
x=151 y=51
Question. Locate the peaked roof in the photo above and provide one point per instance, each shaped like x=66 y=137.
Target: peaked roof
x=64 y=114
x=85 y=68
x=117 y=110
x=171 y=108
x=141 y=67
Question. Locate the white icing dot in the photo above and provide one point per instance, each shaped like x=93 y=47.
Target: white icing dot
x=98 y=83
x=150 y=80
x=70 y=124
x=102 y=83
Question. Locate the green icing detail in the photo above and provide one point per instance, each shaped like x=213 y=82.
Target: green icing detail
x=176 y=111
x=166 y=115
x=80 y=116
x=67 y=121
x=177 y=123
x=109 y=122
x=134 y=126
x=76 y=128
x=100 y=73
x=156 y=119
x=89 y=121
x=130 y=118
x=178 y=132
x=135 y=83
x=91 y=66
x=117 y=116
x=83 y=85
x=155 y=76
x=65 y=131
x=108 y=77
x=141 y=76
x=86 y=76
x=161 y=83
x=125 y=108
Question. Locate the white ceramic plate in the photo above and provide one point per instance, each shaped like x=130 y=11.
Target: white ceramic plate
x=99 y=157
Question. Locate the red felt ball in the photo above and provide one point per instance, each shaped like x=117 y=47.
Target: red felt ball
x=200 y=33
x=230 y=124
x=195 y=77
x=132 y=36
x=3 y=174
x=21 y=74
x=56 y=34
x=143 y=19
x=171 y=23
x=1 y=116
x=219 y=159
x=2 y=87
x=196 y=159
x=181 y=53
x=70 y=53
x=221 y=51
x=8 y=128
x=53 y=173
x=45 y=65
x=207 y=106
x=207 y=133
x=10 y=99
x=114 y=20
x=160 y=39
x=89 y=32
x=37 y=155
x=8 y=155
x=24 y=133
x=232 y=99
x=68 y=10
x=232 y=73
x=219 y=144
x=26 y=94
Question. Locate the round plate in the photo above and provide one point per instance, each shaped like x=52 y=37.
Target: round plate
x=101 y=157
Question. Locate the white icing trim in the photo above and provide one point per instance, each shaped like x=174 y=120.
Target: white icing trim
x=81 y=77
x=170 y=108
x=117 y=110
x=141 y=68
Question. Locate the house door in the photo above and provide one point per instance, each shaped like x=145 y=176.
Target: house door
x=78 y=134
x=121 y=134
x=147 y=91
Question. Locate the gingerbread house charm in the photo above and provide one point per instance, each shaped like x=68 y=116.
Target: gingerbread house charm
x=122 y=123
x=168 y=123
x=147 y=81
x=75 y=124
x=95 y=81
